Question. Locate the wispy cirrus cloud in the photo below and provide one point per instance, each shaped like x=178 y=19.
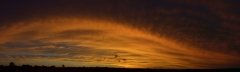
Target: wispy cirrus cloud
x=105 y=43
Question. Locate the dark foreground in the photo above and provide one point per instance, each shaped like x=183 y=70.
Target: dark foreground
x=102 y=69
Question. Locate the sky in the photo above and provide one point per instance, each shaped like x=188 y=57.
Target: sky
x=165 y=34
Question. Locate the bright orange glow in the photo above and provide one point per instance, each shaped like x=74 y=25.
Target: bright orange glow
x=126 y=46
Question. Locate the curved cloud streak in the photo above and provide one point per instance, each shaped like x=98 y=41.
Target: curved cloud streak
x=94 y=42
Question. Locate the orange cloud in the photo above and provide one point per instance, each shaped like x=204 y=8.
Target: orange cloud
x=95 y=41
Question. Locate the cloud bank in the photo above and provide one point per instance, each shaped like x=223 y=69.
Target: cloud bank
x=80 y=41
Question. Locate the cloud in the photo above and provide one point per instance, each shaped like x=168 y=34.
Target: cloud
x=28 y=48
x=83 y=40
x=199 y=23
x=23 y=44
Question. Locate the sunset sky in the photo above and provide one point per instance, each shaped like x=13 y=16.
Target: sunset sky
x=121 y=33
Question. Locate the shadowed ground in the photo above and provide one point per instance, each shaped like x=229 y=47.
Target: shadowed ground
x=28 y=68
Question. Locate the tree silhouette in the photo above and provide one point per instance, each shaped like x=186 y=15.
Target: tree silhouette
x=26 y=66
x=52 y=66
x=11 y=64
